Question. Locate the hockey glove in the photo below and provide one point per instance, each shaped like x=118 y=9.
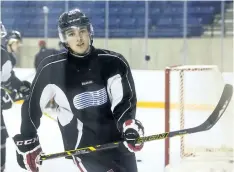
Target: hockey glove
x=25 y=88
x=132 y=129
x=28 y=152
x=6 y=102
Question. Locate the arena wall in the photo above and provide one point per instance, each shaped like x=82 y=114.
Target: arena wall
x=163 y=52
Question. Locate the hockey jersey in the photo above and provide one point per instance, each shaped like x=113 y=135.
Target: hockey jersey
x=8 y=78
x=95 y=94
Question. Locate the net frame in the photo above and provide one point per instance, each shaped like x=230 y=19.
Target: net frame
x=181 y=69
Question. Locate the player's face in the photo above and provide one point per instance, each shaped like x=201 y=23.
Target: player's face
x=78 y=39
x=15 y=45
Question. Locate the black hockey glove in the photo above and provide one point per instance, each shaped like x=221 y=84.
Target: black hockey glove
x=6 y=102
x=132 y=129
x=18 y=93
x=25 y=88
x=28 y=152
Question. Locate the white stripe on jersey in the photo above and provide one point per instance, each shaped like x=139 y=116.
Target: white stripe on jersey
x=33 y=86
x=6 y=71
x=64 y=111
x=79 y=164
x=115 y=90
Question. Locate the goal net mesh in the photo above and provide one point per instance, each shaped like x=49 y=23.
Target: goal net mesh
x=191 y=94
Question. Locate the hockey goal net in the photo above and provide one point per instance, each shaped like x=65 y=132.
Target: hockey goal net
x=191 y=94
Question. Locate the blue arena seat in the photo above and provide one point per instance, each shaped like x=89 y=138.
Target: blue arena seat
x=126 y=18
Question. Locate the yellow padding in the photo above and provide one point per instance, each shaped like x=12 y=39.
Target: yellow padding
x=19 y=102
x=161 y=105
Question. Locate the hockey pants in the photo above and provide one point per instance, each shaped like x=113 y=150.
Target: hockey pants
x=110 y=161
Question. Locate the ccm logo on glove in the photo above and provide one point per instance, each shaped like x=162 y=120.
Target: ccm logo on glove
x=27 y=142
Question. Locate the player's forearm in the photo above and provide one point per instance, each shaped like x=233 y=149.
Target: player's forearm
x=124 y=111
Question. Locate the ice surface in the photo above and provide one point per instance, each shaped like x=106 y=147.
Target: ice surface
x=151 y=156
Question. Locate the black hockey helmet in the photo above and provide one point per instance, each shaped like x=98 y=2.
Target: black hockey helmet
x=73 y=18
x=13 y=36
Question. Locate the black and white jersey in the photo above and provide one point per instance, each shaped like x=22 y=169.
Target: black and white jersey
x=95 y=95
x=6 y=65
x=8 y=78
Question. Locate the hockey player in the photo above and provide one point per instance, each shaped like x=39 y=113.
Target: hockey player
x=10 y=82
x=13 y=43
x=43 y=53
x=96 y=98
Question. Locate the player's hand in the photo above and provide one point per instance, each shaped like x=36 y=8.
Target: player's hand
x=28 y=152
x=133 y=129
x=6 y=102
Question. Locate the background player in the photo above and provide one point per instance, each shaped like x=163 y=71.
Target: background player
x=43 y=53
x=10 y=82
x=96 y=99
x=13 y=42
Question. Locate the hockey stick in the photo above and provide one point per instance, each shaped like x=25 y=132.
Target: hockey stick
x=47 y=115
x=208 y=124
x=9 y=92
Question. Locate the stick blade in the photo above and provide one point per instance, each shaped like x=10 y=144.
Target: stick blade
x=220 y=108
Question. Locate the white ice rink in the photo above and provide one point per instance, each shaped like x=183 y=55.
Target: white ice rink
x=152 y=155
